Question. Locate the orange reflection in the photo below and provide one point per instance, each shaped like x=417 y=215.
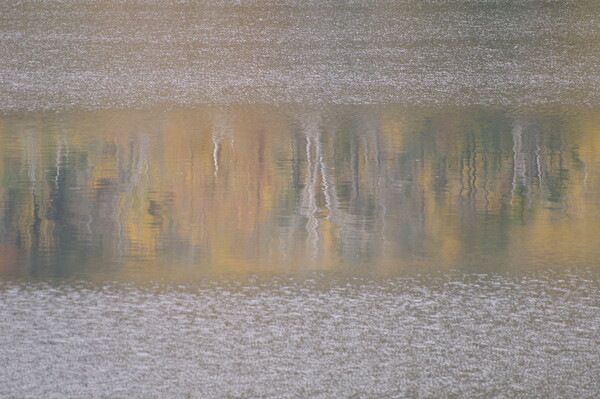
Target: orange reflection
x=244 y=189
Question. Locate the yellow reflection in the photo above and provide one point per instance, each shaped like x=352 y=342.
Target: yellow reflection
x=239 y=189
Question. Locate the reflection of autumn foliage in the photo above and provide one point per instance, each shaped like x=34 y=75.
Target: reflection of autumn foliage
x=9 y=259
x=238 y=188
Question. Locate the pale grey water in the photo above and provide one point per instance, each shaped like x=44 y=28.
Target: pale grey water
x=73 y=53
x=455 y=336
x=413 y=211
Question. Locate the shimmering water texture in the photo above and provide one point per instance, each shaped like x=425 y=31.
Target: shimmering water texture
x=177 y=194
x=475 y=336
x=113 y=53
x=307 y=199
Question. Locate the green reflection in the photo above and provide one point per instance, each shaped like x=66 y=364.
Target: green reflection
x=173 y=194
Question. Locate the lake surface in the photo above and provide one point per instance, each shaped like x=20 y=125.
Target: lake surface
x=76 y=53
x=470 y=336
x=300 y=199
x=138 y=195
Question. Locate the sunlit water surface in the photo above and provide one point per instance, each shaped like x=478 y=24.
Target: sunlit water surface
x=442 y=241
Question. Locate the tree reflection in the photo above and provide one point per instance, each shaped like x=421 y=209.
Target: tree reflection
x=259 y=188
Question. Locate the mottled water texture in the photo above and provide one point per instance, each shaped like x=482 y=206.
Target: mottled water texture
x=81 y=54
x=469 y=336
x=299 y=199
x=300 y=252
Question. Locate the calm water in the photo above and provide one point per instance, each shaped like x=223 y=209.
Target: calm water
x=300 y=199
x=173 y=195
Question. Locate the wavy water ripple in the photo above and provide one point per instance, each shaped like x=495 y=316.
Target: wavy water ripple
x=77 y=54
x=334 y=198
x=464 y=336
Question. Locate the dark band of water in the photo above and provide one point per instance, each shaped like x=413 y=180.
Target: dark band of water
x=176 y=194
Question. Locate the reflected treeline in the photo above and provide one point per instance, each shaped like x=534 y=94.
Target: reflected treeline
x=284 y=189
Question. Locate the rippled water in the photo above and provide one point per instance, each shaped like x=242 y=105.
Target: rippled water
x=73 y=53
x=300 y=251
x=452 y=337
x=299 y=199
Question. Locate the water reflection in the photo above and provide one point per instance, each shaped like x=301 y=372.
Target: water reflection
x=176 y=193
